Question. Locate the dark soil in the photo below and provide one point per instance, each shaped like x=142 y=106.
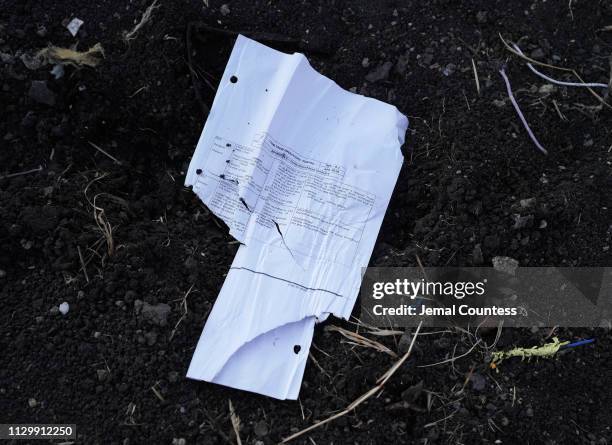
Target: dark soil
x=469 y=163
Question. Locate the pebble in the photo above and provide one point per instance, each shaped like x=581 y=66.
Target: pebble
x=151 y=338
x=2 y=273
x=449 y=69
x=155 y=314
x=32 y=402
x=381 y=72
x=224 y=10
x=546 y=89
x=102 y=374
x=411 y=394
x=520 y=222
x=39 y=92
x=54 y=310
x=529 y=412
x=478 y=382
x=365 y=62
x=537 y=53
x=527 y=203
x=179 y=441
x=404 y=342
x=64 y=308
x=402 y=63
x=261 y=429
x=173 y=376
x=505 y=264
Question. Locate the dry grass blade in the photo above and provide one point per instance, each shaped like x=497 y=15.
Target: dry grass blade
x=184 y=314
x=235 y=423
x=363 y=397
x=146 y=17
x=100 y=217
x=567 y=70
x=359 y=340
x=476 y=79
x=452 y=359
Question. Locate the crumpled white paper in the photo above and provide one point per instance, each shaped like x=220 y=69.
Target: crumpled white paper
x=302 y=172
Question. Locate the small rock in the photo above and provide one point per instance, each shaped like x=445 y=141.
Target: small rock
x=40 y=93
x=261 y=429
x=499 y=103
x=179 y=441
x=365 y=62
x=224 y=10
x=2 y=273
x=40 y=319
x=138 y=306
x=32 y=62
x=32 y=402
x=427 y=59
x=537 y=53
x=527 y=203
x=54 y=310
x=97 y=334
x=157 y=315
x=505 y=421
x=173 y=376
x=380 y=73
x=543 y=224
x=520 y=222
x=478 y=382
x=411 y=394
x=151 y=338
x=529 y=412
x=546 y=89
x=404 y=342
x=402 y=63
x=505 y=264
x=102 y=374
x=449 y=69
x=64 y=308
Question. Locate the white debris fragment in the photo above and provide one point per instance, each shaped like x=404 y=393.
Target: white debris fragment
x=74 y=26
x=64 y=308
x=57 y=71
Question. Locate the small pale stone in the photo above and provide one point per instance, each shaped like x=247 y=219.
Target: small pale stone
x=64 y=308
x=505 y=264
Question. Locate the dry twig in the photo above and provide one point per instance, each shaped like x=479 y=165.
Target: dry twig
x=359 y=340
x=235 y=423
x=364 y=396
x=146 y=17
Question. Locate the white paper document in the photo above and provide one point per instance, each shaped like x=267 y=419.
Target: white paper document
x=301 y=171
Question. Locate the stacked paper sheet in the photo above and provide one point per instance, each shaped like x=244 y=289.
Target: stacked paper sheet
x=302 y=172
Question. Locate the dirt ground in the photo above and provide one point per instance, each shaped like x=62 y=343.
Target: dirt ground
x=121 y=377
